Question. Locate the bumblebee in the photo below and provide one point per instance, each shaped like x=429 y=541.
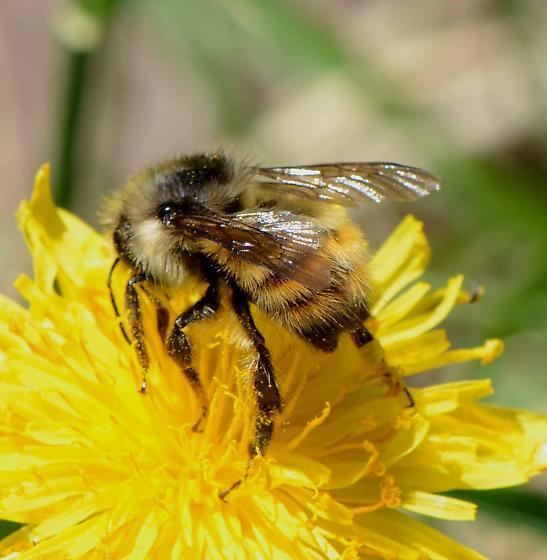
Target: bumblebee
x=276 y=238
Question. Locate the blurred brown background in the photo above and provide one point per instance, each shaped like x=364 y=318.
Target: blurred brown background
x=104 y=87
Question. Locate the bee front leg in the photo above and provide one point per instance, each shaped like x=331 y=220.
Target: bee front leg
x=362 y=336
x=265 y=386
x=135 y=320
x=180 y=350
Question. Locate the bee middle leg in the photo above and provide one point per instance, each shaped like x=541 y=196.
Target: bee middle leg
x=266 y=389
x=179 y=347
x=362 y=336
x=265 y=384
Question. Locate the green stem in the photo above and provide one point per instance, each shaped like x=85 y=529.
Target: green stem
x=77 y=67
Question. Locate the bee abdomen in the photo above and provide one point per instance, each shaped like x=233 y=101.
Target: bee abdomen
x=318 y=317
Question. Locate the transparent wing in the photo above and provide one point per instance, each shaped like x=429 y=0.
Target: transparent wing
x=351 y=184
x=283 y=242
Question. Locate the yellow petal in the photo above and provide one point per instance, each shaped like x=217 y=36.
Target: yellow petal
x=443 y=398
x=443 y=507
x=486 y=353
x=399 y=261
x=412 y=539
x=56 y=236
x=421 y=323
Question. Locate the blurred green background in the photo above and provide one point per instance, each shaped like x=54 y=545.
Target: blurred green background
x=103 y=87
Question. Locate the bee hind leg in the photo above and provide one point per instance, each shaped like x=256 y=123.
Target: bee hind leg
x=180 y=350
x=362 y=336
x=265 y=386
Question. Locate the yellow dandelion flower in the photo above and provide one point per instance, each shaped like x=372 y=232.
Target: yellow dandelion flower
x=95 y=469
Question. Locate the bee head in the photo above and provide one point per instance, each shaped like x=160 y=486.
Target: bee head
x=143 y=214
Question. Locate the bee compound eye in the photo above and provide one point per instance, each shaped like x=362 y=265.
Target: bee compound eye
x=167 y=212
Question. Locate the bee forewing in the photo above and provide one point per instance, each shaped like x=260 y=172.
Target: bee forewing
x=284 y=243
x=351 y=184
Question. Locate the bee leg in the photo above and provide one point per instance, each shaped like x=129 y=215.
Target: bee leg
x=265 y=386
x=362 y=336
x=135 y=320
x=180 y=350
x=113 y=299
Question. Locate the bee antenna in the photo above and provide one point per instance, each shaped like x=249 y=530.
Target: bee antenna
x=113 y=299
